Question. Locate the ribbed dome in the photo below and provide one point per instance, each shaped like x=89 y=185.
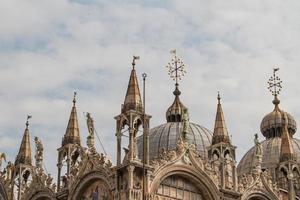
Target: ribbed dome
x=271 y=155
x=166 y=136
x=272 y=124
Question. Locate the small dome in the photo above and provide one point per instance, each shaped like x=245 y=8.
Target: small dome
x=271 y=155
x=273 y=123
x=176 y=110
x=166 y=136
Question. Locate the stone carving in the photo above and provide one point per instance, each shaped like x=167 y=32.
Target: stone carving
x=2 y=157
x=185 y=119
x=39 y=151
x=91 y=138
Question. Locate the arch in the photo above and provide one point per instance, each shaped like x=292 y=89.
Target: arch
x=198 y=178
x=44 y=194
x=85 y=182
x=258 y=196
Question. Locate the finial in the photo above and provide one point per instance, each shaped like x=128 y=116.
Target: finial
x=219 y=98
x=176 y=70
x=27 y=121
x=74 y=98
x=275 y=86
x=134 y=59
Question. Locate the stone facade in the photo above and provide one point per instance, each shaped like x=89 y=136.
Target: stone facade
x=185 y=165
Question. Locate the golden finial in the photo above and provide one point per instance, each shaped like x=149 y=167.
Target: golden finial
x=176 y=69
x=27 y=121
x=134 y=59
x=275 y=86
x=74 y=98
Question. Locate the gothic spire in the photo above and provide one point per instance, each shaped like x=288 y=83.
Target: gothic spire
x=220 y=131
x=24 y=155
x=133 y=99
x=72 y=135
x=287 y=151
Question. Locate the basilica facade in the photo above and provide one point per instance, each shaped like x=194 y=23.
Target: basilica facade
x=178 y=159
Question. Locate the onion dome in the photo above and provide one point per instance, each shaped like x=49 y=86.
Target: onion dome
x=273 y=123
x=176 y=110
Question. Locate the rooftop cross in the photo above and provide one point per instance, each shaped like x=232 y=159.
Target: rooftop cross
x=176 y=67
x=275 y=84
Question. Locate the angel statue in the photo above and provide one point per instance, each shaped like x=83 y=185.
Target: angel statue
x=186 y=123
x=2 y=157
x=258 y=146
x=39 y=149
x=90 y=123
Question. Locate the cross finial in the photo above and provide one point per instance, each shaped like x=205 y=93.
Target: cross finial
x=176 y=67
x=27 y=121
x=134 y=59
x=74 y=97
x=275 y=86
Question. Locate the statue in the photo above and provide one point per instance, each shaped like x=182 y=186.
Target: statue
x=186 y=123
x=258 y=147
x=2 y=157
x=39 y=149
x=90 y=123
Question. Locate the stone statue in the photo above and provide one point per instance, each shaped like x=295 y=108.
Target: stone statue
x=186 y=123
x=2 y=157
x=258 y=146
x=91 y=138
x=39 y=152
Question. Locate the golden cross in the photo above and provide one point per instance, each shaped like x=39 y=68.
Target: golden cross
x=275 y=83
x=176 y=67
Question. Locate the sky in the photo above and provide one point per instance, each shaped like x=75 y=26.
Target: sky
x=51 y=48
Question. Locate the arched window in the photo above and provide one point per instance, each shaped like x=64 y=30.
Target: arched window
x=176 y=187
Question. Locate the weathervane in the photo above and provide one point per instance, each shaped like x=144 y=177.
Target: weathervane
x=134 y=59
x=275 y=84
x=176 y=68
x=27 y=121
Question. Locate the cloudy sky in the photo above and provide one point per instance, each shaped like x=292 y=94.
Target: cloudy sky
x=50 y=48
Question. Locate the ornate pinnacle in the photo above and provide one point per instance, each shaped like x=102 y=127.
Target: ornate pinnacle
x=134 y=59
x=275 y=86
x=176 y=68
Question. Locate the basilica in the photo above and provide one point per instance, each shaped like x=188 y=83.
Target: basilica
x=177 y=160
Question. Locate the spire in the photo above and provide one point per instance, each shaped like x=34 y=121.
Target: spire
x=176 y=71
x=220 y=130
x=287 y=151
x=133 y=99
x=24 y=155
x=72 y=135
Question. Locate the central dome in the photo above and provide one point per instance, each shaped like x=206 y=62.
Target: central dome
x=166 y=136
